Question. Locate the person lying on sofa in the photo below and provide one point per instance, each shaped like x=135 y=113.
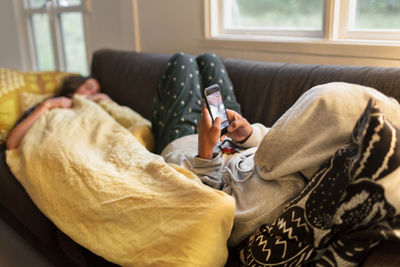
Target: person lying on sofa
x=272 y=164
x=87 y=86
x=178 y=116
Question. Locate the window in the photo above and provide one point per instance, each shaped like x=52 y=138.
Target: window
x=271 y=17
x=56 y=34
x=370 y=19
x=317 y=19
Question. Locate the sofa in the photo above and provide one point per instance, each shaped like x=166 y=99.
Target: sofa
x=265 y=91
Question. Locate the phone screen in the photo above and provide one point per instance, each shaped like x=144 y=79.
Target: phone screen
x=216 y=106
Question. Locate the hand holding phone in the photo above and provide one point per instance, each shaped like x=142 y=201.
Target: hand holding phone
x=216 y=107
x=209 y=134
x=239 y=129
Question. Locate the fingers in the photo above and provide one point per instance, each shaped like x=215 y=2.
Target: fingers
x=237 y=124
x=233 y=115
x=68 y=103
x=59 y=102
x=216 y=126
x=212 y=128
x=209 y=133
x=64 y=102
x=206 y=117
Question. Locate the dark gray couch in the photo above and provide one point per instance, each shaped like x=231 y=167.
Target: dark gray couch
x=265 y=91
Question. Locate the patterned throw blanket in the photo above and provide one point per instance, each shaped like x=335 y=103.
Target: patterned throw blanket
x=350 y=205
x=101 y=187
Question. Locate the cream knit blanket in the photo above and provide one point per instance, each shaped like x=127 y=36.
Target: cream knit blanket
x=101 y=187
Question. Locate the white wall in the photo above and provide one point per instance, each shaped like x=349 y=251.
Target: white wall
x=10 y=55
x=110 y=25
x=169 y=26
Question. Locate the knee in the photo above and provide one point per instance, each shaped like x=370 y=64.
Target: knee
x=181 y=58
x=207 y=58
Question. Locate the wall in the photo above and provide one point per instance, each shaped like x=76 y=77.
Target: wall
x=10 y=55
x=110 y=25
x=178 y=25
x=169 y=26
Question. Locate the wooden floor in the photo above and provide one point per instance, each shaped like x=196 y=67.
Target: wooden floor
x=16 y=252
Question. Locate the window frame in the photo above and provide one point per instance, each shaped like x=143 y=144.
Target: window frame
x=330 y=48
x=335 y=26
x=54 y=11
x=347 y=7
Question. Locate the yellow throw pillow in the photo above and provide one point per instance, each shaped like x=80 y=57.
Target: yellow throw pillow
x=29 y=100
x=13 y=83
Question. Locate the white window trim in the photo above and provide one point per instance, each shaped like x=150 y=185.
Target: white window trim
x=28 y=39
x=335 y=41
x=345 y=32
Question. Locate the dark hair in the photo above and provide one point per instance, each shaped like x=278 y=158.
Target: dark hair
x=71 y=84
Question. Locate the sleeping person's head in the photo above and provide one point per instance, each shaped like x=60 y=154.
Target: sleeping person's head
x=79 y=85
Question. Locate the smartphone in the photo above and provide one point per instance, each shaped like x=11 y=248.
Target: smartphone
x=216 y=107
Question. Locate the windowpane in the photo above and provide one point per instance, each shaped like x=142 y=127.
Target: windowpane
x=42 y=42
x=69 y=2
x=74 y=42
x=287 y=14
x=377 y=14
x=36 y=3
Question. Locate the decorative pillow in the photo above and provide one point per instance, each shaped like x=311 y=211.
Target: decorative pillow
x=13 y=83
x=355 y=191
x=29 y=100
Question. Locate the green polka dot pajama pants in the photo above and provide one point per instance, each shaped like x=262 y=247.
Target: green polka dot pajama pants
x=177 y=109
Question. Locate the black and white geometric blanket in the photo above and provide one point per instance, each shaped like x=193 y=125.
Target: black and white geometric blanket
x=349 y=206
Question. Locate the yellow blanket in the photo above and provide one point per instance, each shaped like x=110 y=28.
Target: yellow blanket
x=101 y=187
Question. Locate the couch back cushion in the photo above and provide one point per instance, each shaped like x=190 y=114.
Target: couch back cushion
x=265 y=90
x=129 y=78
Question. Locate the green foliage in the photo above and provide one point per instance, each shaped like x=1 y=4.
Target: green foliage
x=43 y=42
x=257 y=7
x=74 y=42
x=378 y=14
x=298 y=14
x=379 y=6
x=281 y=13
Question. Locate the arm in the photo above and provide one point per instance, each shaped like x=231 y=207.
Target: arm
x=209 y=171
x=19 y=131
x=242 y=132
x=209 y=134
x=257 y=135
x=239 y=129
